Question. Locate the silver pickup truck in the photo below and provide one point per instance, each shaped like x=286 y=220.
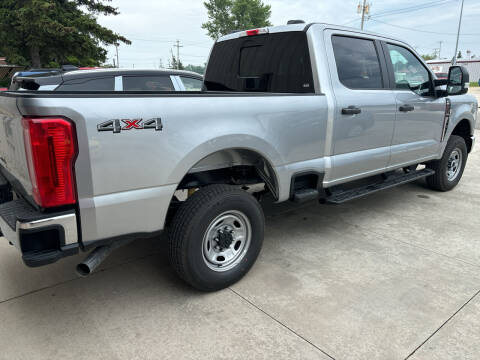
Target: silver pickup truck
x=296 y=112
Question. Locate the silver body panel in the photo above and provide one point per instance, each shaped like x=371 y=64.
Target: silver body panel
x=125 y=181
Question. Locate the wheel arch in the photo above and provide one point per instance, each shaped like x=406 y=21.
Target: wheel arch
x=229 y=152
x=464 y=129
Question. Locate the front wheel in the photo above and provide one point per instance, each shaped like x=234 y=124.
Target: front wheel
x=216 y=236
x=449 y=169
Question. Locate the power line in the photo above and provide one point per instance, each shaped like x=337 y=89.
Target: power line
x=423 y=31
x=412 y=8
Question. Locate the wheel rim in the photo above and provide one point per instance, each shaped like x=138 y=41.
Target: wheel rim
x=226 y=240
x=454 y=164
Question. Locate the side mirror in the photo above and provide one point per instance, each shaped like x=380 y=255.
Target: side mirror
x=458 y=80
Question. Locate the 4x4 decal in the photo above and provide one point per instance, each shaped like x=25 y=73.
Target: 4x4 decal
x=117 y=125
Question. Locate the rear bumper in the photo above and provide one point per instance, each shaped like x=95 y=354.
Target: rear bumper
x=42 y=238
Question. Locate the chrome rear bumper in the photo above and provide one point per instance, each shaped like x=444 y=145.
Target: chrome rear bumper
x=42 y=238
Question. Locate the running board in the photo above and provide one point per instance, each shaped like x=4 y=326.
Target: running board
x=340 y=196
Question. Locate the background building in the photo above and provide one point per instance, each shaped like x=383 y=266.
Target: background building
x=472 y=65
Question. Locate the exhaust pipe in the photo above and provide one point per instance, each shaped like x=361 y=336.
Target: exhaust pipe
x=93 y=260
x=97 y=256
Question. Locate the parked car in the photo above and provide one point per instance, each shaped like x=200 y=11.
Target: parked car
x=297 y=112
x=111 y=80
x=441 y=75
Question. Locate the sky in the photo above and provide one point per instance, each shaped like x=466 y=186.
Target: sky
x=153 y=26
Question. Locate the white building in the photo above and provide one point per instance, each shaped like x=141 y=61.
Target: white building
x=472 y=65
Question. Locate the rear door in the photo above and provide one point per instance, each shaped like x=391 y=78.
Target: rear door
x=365 y=106
x=419 y=119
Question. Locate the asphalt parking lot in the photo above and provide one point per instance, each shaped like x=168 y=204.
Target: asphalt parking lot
x=392 y=276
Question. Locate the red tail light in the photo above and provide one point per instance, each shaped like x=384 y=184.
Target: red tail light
x=51 y=149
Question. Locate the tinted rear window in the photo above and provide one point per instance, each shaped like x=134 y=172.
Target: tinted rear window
x=147 y=83
x=357 y=61
x=98 y=84
x=277 y=62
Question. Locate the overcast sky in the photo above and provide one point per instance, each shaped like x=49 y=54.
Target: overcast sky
x=154 y=26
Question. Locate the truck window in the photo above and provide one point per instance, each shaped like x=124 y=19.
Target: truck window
x=147 y=83
x=277 y=63
x=98 y=84
x=409 y=72
x=357 y=61
x=191 y=84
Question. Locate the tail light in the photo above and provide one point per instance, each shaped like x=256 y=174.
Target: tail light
x=50 y=145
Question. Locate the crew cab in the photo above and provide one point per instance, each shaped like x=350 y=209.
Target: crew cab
x=86 y=79
x=299 y=112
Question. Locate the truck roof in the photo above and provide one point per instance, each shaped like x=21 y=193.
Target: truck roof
x=305 y=27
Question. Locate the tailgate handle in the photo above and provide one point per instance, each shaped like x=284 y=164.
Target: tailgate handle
x=406 y=108
x=351 y=110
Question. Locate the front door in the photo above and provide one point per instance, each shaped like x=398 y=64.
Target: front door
x=365 y=108
x=419 y=119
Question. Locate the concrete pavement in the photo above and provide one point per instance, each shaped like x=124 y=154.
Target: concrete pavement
x=392 y=276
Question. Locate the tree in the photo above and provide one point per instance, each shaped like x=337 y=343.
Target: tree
x=175 y=63
x=49 y=33
x=225 y=16
x=429 y=56
x=199 y=69
x=459 y=56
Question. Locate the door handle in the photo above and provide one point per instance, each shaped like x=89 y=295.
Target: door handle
x=406 y=108
x=351 y=110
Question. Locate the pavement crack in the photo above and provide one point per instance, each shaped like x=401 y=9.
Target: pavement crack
x=79 y=278
x=441 y=326
x=281 y=324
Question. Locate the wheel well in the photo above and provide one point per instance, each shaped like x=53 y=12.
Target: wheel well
x=463 y=129
x=232 y=166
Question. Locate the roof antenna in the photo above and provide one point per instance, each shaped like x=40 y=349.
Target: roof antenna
x=292 y=22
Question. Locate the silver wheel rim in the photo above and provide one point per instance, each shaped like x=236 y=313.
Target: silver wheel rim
x=454 y=164
x=226 y=240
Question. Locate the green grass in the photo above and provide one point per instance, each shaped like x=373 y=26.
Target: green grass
x=474 y=84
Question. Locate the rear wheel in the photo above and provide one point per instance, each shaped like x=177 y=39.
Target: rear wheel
x=449 y=169
x=216 y=236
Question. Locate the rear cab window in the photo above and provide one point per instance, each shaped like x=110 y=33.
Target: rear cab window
x=358 y=63
x=276 y=63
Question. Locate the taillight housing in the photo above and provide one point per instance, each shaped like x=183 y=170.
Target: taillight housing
x=51 y=149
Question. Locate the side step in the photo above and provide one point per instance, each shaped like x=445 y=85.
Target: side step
x=339 y=197
x=304 y=195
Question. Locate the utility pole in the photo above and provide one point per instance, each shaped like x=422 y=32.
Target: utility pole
x=440 y=50
x=364 y=10
x=458 y=35
x=178 y=46
x=116 y=49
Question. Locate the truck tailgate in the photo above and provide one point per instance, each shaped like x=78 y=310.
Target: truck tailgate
x=12 y=149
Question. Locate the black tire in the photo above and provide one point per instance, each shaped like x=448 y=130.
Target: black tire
x=190 y=225
x=439 y=181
